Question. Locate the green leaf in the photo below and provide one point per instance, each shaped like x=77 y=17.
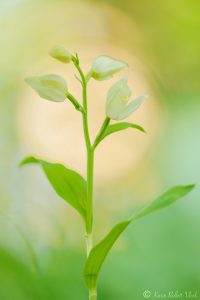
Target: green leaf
x=68 y=184
x=118 y=127
x=121 y=126
x=165 y=199
x=51 y=87
x=100 y=251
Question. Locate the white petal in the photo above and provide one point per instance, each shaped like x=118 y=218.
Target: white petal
x=132 y=106
x=117 y=98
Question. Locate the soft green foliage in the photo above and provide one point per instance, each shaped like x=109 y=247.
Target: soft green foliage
x=60 y=53
x=105 y=67
x=119 y=127
x=107 y=129
x=165 y=199
x=68 y=184
x=100 y=251
x=51 y=87
x=118 y=106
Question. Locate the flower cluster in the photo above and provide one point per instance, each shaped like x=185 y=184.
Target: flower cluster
x=118 y=104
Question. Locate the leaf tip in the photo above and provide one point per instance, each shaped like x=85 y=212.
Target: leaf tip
x=143 y=130
x=190 y=187
x=28 y=160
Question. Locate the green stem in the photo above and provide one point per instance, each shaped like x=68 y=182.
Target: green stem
x=85 y=117
x=90 y=171
x=92 y=294
x=76 y=104
x=90 y=168
x=89 y=243
x=84 y=95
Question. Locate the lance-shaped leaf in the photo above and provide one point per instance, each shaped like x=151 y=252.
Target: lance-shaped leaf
x=68 y=184
x=118 y=127
x=100 y=251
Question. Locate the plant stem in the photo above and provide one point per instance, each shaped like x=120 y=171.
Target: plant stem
x=89 y=243
x=73 y=100
x=90 y=169
x=92 y=295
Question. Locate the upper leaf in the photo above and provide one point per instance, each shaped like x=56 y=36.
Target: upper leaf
x=100 y=251
x=104 y=67
x=51 y=87
x=68 y=184
x=115 y=128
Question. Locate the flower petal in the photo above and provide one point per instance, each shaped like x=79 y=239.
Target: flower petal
x=117 y=98
x=132 y=106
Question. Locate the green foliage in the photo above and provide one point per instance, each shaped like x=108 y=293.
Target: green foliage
x=68 y=184
x=100 y=251
x=172 y=195
x=119 y=127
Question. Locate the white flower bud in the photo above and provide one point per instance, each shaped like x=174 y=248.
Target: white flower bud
x=104 y=67
x=51 y=87
x=60 y=53
x=118 y=106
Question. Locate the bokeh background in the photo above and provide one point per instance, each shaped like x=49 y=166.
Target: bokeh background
x=41 y=237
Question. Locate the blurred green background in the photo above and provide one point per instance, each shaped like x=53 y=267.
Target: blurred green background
x=41 y=238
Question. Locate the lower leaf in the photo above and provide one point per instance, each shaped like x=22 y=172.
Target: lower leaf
x=101 y=250
x=68 y=184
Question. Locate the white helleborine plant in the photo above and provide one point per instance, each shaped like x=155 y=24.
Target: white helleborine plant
x=104 y=67
x=118 y=104
x=73 y=188
x=50 y=87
